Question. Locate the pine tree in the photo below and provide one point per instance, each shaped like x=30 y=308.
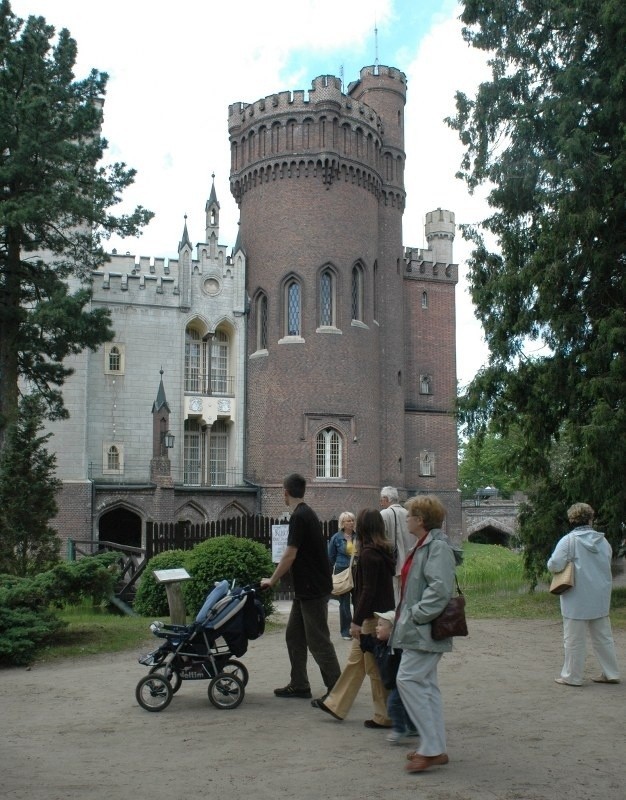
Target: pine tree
x=547 y=135
x=54 y=210
x=28 y=544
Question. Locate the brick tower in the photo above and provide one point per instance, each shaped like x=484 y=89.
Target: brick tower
x=319 y=180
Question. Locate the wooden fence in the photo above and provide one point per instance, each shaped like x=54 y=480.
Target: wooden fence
x=164 y=536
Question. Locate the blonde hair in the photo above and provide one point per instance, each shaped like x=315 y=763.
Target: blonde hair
x=580 y=514
x=343 y=517
x=429 y=508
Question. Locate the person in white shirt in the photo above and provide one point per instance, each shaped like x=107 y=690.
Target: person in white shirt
x=395 y=518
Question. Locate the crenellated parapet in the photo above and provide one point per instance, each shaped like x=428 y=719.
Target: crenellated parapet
x=323 y=134
x=391 y=77
x=324 y=97
x=158 y=278
x=420 y=265
x=435 y=263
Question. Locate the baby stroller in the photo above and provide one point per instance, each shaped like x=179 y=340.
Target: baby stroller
x=205 y=650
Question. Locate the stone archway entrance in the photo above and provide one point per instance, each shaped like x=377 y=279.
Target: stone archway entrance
x=491 y=531
x=120 y=526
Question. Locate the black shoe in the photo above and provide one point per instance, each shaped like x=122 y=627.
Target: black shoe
x=370 y=723
x=319 y=703
x=291 y=691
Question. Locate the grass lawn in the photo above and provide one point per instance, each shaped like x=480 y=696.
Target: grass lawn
x=491 y=578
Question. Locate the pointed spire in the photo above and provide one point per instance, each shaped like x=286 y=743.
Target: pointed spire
x=238 y=246
x=185 y=240
x=160 y=401
x=213 y=196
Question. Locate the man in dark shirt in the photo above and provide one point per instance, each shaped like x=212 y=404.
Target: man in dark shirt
x=307 y=629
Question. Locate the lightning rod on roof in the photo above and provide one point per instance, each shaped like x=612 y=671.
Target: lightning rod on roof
x=376 y=46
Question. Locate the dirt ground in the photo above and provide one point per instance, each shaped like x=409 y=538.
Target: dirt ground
x=74 y=730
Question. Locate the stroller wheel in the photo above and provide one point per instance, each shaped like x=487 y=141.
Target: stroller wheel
x=153 y=692
x=170 y=674
x=226 y=690
x=236 y=668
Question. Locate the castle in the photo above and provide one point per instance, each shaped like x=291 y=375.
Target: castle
x=320 y=345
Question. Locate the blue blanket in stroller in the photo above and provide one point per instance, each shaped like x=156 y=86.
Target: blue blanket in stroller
x=237 y=615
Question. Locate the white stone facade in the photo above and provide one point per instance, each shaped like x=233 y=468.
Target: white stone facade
x=171 y=318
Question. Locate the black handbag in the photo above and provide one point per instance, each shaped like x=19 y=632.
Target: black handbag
x=451 y=621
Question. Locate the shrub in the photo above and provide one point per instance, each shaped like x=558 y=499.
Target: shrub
x=27 y=617
x=225 y=558
x=151 y=598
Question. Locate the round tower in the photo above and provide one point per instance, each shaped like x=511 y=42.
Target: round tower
x=439 y=230
x=309 y=175
x=384 y=90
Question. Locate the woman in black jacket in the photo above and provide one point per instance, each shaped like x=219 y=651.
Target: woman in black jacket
x=373 y=591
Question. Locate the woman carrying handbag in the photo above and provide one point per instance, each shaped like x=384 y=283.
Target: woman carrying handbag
x=373 y=591
x=585 y=606
x=340 y=553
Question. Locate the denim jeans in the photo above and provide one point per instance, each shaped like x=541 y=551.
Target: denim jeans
x=345 y=613
x=400 y=720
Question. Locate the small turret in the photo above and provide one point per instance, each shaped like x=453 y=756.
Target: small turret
x=439 y=230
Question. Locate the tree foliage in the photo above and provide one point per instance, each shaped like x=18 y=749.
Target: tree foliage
x=547 y=134
x=491 y=460
x=28 y=544
x=54 y=209
x=27 y=605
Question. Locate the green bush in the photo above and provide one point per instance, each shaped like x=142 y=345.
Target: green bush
x=222 y=558
x=225 y=558
x=151 y=598
x=27 y=616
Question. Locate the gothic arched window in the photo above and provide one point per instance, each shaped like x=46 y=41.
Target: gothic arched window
x=219 y=363
x=328 y=454
x=194 y=357
x=327 y=298
x=357 y=293
x=113 y=458
x=292 y=308
x=261 y=322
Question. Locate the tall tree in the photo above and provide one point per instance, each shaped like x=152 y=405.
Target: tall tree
x=54 y=209
x=28 y=487
x=547 y=135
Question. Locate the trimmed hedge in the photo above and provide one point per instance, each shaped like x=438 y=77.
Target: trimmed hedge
x=221 y=558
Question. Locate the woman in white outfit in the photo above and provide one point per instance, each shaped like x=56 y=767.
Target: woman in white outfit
x=585 y=607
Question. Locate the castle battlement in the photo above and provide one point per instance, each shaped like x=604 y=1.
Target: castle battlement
x=381 y=72
x=129 y=272
x=440 y=223
x=324 y=96
x=422 y=265
x=115 y=281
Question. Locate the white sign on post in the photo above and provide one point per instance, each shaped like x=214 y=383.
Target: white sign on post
x=171 y=575
x=279 y=541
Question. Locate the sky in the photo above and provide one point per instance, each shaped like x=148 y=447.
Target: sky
x=174 y=68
